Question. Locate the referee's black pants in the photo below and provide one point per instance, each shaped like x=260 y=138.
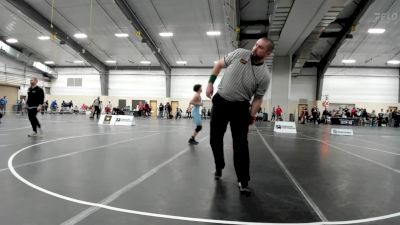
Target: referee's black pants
x=32 y=112
x=96 y=111
x=237 y=114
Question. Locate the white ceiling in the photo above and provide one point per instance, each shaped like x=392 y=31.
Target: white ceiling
x=189 y=20
x=73 y=16
x=374 y=50
x=13 y=25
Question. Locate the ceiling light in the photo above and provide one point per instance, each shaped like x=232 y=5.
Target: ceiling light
x=120 y=35
x=80 y=35
x=42 y=67
x=49 y=62
x=44 y=38
x=213 y=33
x=145 y=62
x=376 y=31
x=348 y=61
x=11 y=40
x=394 y=62
x=181 y=62
x=166 y=34
x=78 y=61
x=111 y=61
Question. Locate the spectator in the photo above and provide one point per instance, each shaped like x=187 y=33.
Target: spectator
x=108 y=108
x=161 y=110
x=46 y=105
x=168 y=109
x=204 y=113
x=96 y=105
x=273 y=115
x=314 y=114
x=178 y=113
x=278 y=113
x=380 y=118
x=53 y=106
x=140 y=108
x=353 y=112
x=189 y=112
x=3 y=105
x=146 y=109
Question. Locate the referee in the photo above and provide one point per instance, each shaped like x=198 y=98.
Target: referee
x=34 y=105
x=246 y=77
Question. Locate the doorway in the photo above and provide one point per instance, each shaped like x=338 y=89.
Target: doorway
x=153 y=106
x=300 y=109
x=174 y=105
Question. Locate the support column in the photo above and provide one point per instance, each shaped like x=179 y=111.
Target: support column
x=320 y=84
x=104 y=82
x=168 y=84
x=281 y=81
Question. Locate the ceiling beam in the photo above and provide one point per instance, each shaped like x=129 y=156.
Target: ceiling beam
x=330 y=55
x=38 y=18
x=127 y=10
x=237 y=28
x=334 y=35
x=142 y=68
x=303 y=18
x=244 y=36
x=26 y=59
x=139 y=26
x=254 y=22
x=310 y=64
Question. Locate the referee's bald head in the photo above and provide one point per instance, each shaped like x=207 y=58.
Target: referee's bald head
x=34 y=81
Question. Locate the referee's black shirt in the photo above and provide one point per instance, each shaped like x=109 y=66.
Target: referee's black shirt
x=35 y=96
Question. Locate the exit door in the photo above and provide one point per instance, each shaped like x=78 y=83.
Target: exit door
x=153 y=106
x=174 y=105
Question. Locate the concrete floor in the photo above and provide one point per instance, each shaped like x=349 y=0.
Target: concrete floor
x=149 y=169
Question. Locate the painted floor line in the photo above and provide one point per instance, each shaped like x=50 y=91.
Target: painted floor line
x=172 y=217
x=313 y=139
x=356 y=155
x=79 y=152
x=86 y=213
x=295 y=183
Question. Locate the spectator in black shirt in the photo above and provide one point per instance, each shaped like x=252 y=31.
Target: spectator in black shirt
x=34 y=105
x=380 y=118
x=161 y=111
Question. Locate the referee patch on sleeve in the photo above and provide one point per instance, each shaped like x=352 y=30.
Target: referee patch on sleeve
x=243 y=61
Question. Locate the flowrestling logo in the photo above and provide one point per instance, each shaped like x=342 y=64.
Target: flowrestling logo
x=386 y=17
x=285 y=127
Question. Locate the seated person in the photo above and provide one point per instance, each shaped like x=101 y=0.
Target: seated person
x=76 y=110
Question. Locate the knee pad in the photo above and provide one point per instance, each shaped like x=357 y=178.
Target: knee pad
x=198 y=128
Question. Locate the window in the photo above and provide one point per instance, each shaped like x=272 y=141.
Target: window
x=47 y=90
x=74 y=82
x=70 y=82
